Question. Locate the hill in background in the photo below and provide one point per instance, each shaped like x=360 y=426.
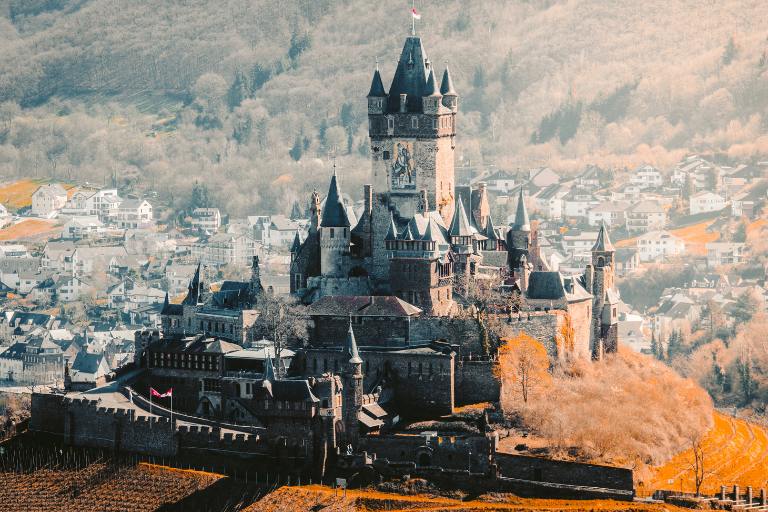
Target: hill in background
x=257 y=92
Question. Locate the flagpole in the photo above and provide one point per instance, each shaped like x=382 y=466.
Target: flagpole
x=171 y=409
x=413 y=19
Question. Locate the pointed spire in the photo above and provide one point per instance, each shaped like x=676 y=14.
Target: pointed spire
x=354 y=355
x=431 y=89
x=334 y=211
x=408 y=234
x=377 y=86
x=521 y=222
x=269 y=369
x=392 y=231
x=460 y=224
x=490 y=229
x=296 y=244
x=603 y=242
x=446 y=87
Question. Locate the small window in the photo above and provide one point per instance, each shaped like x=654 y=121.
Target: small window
x=332 y=233
x=434 y=123
x=385 y=155
x=391 y=123
x=414 y=122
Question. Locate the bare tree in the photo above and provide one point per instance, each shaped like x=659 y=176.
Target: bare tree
x=522 y=369
x=283 y=320
x=697 y=463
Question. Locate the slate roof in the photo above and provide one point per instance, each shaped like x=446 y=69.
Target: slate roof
x=603 y=242
x=86 y=362
x=198 y=344
x=363 y=305
x=545 y=285
x=377 y=87
x=460 y=224
x=446 y=86
x=521 y=222
x=334 y=212
x=410 y=77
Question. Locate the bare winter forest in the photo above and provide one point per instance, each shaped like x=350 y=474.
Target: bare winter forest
x=252 y=95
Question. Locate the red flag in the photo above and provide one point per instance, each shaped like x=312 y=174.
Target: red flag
x=415 y=14
x=156 y=393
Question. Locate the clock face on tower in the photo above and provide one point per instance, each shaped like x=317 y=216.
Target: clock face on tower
x=402 y=172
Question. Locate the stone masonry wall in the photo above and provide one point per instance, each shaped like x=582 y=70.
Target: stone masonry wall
x=572 y=473
x=475 y=382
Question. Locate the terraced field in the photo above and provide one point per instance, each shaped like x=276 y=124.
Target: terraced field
x=289 y=499
x=735 y=450
x=30 y=229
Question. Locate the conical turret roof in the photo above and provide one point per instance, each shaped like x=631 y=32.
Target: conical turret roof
x=431 y=89
x=603 y=242
x=392 y=231
x=521 y=222
x=460 y=224
x=334 y=212
x=490 y=229
x=296 y=243
x=446 y=87
x=354 y=355
x=410 y=76
x=377 y=86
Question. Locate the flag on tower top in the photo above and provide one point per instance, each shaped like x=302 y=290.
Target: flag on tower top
x=154 y=392
x=415 y=14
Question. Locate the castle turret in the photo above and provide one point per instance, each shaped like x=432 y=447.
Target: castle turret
x=335 y=233
x=255 y=284
x=450 y=97
x=605 y=298
x=431 y=100
x=377 y=96
x=518 y=237
x=353 y=388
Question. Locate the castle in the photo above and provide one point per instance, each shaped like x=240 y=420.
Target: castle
x=389 y=336
x=419 y=231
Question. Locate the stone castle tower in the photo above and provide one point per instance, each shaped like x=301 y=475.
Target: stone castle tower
x=519 y=241
x=412 y=129
x=335 y=233
x=353 y=389
x=599 y=278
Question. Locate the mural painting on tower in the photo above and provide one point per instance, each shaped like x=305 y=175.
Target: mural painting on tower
x=402 y=172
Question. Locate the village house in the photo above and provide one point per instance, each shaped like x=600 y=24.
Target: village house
x=13 y=251
x=225 y=249
x=501 y=182
x=577 y=202
x=81 y=227
x=281 y=231
x=48 y=200
x=659 y=246
x=706 y=201
x=646 y=176
x=206 y=219
x=612 y=213
x=549 y=201
x=132 y=214
x=543 y=177
x=92 y=202
x=725 y=253
x=645 y=216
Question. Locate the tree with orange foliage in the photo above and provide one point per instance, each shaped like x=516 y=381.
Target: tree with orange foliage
x=522 y=368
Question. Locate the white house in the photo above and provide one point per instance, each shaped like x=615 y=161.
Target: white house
x=82 y=227
x=281 y=231
x=206 y=219
x=132 y=214
x=543 y=177
x=659 y=246
x=576 y=244
x=646 y=176
x=13 y=251
x=549 y=201
x=91 y=202
x=502 y=182
x=645 y=216
x=48 y=199
x=226 y=249
x=706 y=201
x=577 y=202
x=178 y=277
x=613 y=213
x=70 y=288
x=725 y=253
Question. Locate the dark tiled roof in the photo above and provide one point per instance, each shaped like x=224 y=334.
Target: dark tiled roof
x=363 y=305
x=460 y=224
x=334 y=212
x=603 y=242
x=86 y=362
x=545 y=285
x=446 y=87
x=377 y=87
x=410 y=77
x=521 y=222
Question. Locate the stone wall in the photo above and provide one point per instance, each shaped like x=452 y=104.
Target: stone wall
x=463 y=332
x=422 y=378
x=446 y=451
x=562 y=472
x=339 y=285
x=47 y=413
x=369 y=331
x=475 y=382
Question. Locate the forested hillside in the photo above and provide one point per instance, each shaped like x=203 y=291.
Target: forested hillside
x=251 y=95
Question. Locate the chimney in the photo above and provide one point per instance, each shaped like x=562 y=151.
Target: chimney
x=403 y=100
x=368 y=198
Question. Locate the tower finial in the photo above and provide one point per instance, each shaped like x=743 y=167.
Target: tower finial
x=377 y=63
